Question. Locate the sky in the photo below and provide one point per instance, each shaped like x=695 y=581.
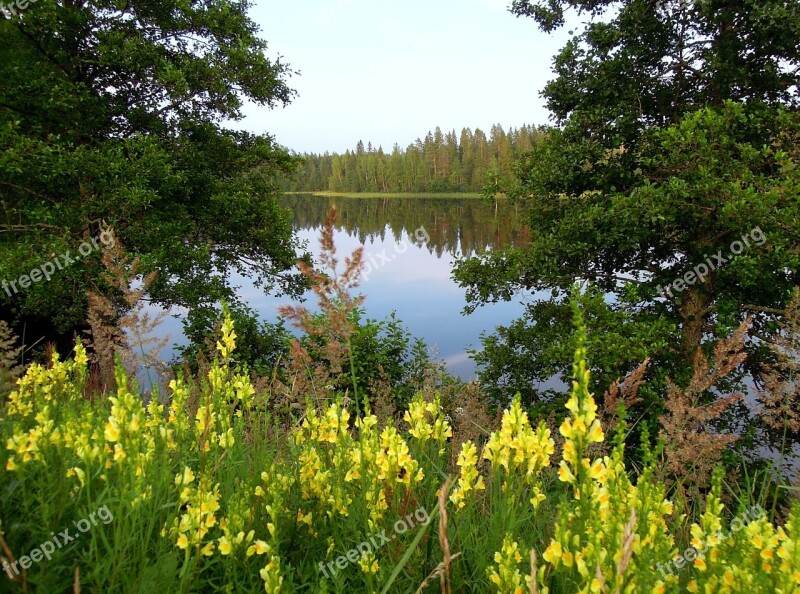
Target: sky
x=388 y=71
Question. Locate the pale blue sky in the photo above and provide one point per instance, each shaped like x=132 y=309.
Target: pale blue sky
x=390 y=70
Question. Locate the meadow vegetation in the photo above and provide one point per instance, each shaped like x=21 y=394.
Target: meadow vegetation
x=215 y=486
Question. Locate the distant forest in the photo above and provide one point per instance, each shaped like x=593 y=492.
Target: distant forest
x=441 y=162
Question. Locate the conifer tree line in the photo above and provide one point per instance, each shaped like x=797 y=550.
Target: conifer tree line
x=441 y=162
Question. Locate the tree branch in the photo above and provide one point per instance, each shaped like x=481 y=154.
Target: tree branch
x=768 y=310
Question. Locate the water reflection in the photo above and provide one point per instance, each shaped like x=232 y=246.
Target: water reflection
x=455 y=225
x=408 y=275
x=413 y=276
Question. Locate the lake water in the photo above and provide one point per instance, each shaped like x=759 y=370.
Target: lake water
x=412 y=270
x=410 y=245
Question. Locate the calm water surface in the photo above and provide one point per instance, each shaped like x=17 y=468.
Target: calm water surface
x=411 y=245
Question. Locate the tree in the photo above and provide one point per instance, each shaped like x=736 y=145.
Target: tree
x=110 y=115
x=676 y=137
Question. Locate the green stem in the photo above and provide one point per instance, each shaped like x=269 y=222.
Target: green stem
x=353 y=375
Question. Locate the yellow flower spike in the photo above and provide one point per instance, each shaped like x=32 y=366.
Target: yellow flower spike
x=469 y=478
x=271 y=575
x=227 y=344
x=505 y=574
x=368 y=563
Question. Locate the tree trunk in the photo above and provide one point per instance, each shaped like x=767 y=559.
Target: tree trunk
x=693 y=311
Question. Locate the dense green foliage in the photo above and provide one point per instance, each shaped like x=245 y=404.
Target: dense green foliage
x=110 y=116
x=441 y=162
x=677 y=137
x=261 y=344
x=388 y=361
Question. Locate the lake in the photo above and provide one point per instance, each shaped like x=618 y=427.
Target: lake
x=410 y=245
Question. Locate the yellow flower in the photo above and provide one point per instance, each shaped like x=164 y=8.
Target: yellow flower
x=226 y=440
x=537 y=497
x=368 y=563
x=259 y=547
x=564 y=473
x=119 y=453
x=597 y=470
x=596 y=432
x=727 y=577
x=552 y=554
x=183 y=542
x=186 y=478
x=112 y=431
x=566 y=429
x=304 y=519
x=79 y=473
